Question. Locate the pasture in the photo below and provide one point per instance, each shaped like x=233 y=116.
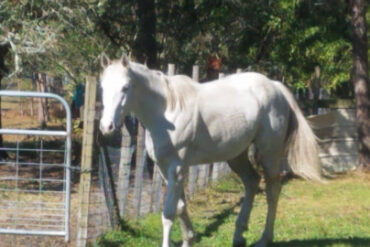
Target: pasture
x=336 y=214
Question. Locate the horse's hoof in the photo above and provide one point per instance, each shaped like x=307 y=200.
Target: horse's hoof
x=261 y=243
x=189 y=242
x=240 y=243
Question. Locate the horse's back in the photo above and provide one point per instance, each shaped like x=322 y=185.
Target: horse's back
x=243 y=89
x=225 y=119
x=234 y=111
x=222 y=118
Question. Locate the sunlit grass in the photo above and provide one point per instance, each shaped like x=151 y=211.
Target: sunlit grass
x=336 y=214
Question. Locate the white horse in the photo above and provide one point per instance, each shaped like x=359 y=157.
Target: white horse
x=191 y=123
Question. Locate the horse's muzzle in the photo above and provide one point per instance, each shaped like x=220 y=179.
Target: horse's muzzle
x=107 y=127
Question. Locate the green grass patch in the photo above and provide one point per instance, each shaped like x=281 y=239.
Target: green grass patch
x=336 y=214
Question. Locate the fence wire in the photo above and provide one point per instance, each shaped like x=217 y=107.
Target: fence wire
x=33 y=189
x=34 y=171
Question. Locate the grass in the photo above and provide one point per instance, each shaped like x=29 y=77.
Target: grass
x=336 y=214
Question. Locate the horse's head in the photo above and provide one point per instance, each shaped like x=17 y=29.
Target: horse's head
x=116 y=92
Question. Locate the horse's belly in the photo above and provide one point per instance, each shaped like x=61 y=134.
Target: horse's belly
x=217 y=154
x=224 y=138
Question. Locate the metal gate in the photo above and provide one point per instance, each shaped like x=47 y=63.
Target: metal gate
x=35 y=177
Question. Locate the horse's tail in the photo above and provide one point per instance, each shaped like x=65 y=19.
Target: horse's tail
x=302 y=150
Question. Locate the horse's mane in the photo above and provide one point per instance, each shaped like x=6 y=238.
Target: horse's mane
x=179 y=89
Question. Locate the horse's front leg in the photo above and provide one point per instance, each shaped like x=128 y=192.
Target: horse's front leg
x=188 y=234
x=175 y=183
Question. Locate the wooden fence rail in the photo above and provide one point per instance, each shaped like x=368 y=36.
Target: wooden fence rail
x=338 y=143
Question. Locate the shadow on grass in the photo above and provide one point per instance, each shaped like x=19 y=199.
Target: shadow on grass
x=219 y=219
x=357 y=242
x=120 y=238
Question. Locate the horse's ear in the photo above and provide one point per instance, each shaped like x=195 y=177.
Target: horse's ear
x=125 y=60
x=104 y=60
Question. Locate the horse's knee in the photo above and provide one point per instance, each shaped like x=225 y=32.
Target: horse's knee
x=180 y=207
x=167 y=219
x=253 y=182
x=169 y=212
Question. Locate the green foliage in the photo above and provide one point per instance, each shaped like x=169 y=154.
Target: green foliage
x=315 y=34
x=282 y=38
x=57 y=37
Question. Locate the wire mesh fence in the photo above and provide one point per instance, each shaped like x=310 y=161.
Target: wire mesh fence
x=33 y=188
x=34 y=173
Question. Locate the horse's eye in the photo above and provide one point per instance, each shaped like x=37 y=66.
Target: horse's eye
x=124 y=89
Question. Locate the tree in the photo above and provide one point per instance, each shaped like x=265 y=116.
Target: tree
x=145 y=47
x=58 y=37
x=4 y=49
x=361 y=80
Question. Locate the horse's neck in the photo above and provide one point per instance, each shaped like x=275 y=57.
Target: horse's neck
x=151 y=104
x=149 y=110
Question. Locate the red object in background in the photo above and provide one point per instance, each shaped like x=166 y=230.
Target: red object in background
x=214 y=65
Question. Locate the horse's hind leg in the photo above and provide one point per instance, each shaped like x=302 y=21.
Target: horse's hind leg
x=185 y=223
x=271 y=165
x=250 y=178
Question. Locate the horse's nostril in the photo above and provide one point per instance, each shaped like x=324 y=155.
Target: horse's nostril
x=111 y=127
x=106 y=128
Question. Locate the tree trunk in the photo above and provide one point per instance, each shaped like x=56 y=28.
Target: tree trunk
x=361 y=80
x=145 y=48
x=4 y=49
x=145 y=51
x=42 y=108
x=315 y=90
